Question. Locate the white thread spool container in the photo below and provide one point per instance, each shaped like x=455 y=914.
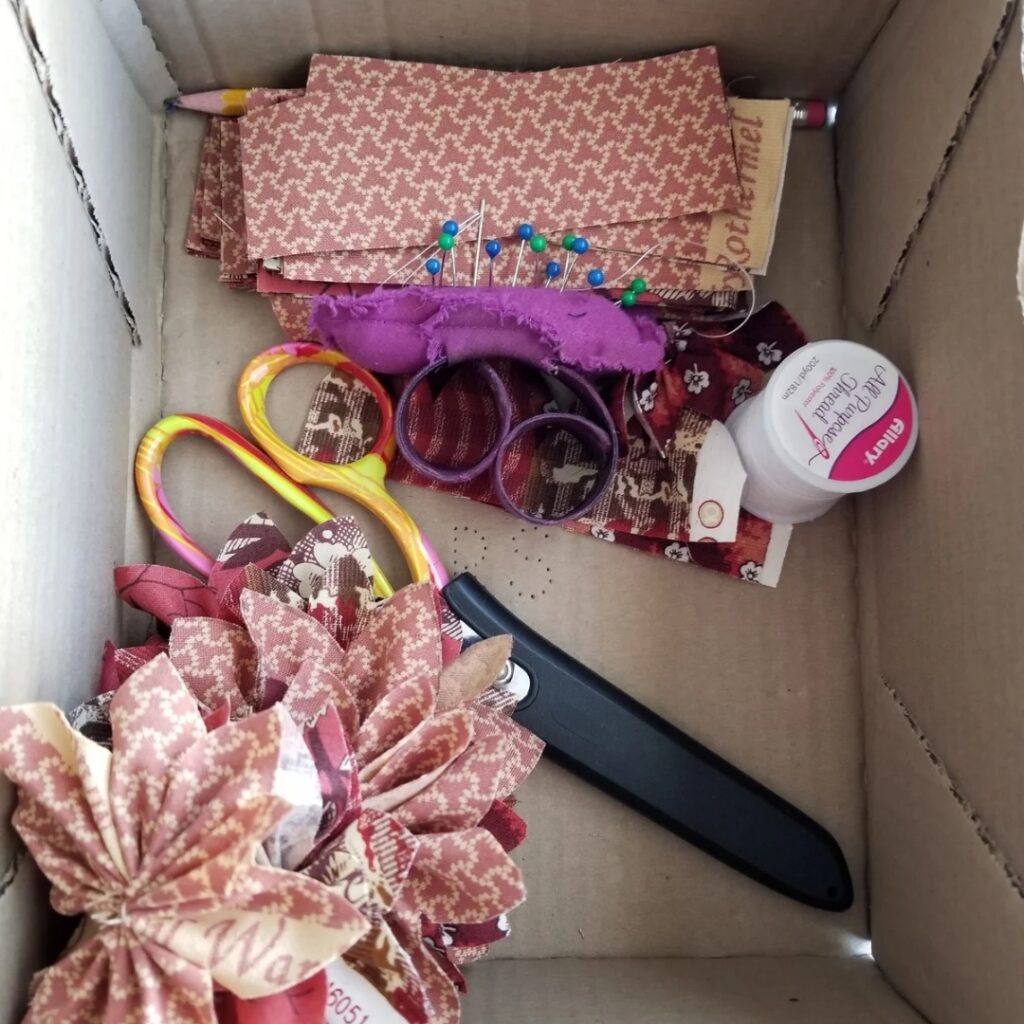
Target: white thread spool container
x=835 y=418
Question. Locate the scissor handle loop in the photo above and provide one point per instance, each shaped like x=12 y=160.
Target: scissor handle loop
x=149 y=459
x=361 y=480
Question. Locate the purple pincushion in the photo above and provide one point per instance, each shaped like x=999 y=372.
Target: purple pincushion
x=401 y=330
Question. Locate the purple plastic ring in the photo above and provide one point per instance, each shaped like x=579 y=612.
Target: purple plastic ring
x=598 y=440
x=451 y=474
x=596 y=431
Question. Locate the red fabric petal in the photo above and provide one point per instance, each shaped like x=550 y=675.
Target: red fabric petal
x=164 y=592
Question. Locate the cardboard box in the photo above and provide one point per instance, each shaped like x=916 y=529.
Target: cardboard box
x=879 y=688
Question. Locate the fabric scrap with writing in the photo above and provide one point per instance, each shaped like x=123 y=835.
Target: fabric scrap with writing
x=710 y=373
x=414 y=746
x=156 y=843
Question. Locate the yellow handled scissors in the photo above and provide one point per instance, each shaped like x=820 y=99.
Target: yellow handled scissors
x=361 y=480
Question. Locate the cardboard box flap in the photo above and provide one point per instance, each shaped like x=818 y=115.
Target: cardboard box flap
x=943 y=537
x=784 y=43
x=136 y=47
x=64 y=458
x=762 y=990
x=110 y=138
x=947 y=912
x=900 y=121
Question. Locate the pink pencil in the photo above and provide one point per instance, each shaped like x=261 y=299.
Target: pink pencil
x=226 y=102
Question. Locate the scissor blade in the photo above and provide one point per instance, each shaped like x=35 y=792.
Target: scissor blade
x=613 y=741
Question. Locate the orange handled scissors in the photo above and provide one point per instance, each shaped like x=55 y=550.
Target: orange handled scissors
x=288 y=472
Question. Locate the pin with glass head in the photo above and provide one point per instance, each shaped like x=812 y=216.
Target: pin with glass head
x=446 y=243
x=493 y=249
x=595 y=277
x=636 y=288
x=479 y=243
x=433 y=268
x=525 y=233
x=551 y=271
x=537 y=244
x=435 y=248
x=578 y=247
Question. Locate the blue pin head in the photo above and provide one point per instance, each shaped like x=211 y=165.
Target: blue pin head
x=492 y=248
x=595 y=277
x=433 y=267
x=450 y=227
x=580 y=245
x=525 y=232
x=553 y=269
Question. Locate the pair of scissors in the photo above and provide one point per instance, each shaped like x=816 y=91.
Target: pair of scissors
x=286 y=471
x=591 y=727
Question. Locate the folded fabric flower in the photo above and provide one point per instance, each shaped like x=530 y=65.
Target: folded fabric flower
x=415 y=750
x=155 y=842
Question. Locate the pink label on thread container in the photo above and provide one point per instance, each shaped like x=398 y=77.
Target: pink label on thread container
x=879 y=445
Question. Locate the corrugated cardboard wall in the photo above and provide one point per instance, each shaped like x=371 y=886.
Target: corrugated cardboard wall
x=899 y=123
x=69 y=374
x=796 y=47
x=942 y=564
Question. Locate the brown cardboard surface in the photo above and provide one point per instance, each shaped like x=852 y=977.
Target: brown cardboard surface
x=943 y=537
x=947 y=921
x=897 y=120
x=764 y=990
x=768 y=679
x=796 y=47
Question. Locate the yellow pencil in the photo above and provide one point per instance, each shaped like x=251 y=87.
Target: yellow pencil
x=227 y=102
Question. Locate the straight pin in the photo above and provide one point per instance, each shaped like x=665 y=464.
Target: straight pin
x=427 y=248
x=525 y=233
x=579 y=246
x=537 y=244
x=636 y=288
x=629 y=270
x=479 y=242
x=446 y=243
x=493 y=248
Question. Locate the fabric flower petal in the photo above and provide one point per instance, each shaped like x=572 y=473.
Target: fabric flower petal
x=314 y=688
x=154 y=721
x=462 y=877
x=163 y=592
x=286 y=637
x=217 y=660
x=425 y=752
x=380 y=957
x=407 y=705
x=500 y=756
x=112 y=979
x=401 y=642
x=440 y=992
x=255 y=541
